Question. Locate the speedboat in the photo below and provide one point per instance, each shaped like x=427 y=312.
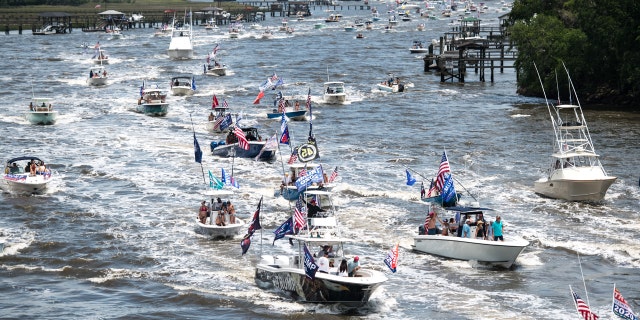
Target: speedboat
x=391 y=85
x=289 y=191
x=209 y=227
x=97 y=76
x=26 y=175
x=293 y=106
x=221 y=121
x=576 y=173
x=183 y=86
x=454 y=246
x=100 y=57
x=334 y=92
x=267 y=34
x=350 y=28
x=115 y=33
x=181 y=46
x=418 y=47
x=296 y=275
x=152 y=102
x=41 y=111
x=213 y=67
x=231 y=148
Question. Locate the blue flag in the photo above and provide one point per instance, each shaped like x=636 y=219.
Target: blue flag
x=310 y=266
x=193 y=83
x=214 y=182
x=196 y=147
x=284 y=128
x=448 y=190
x=312 y=176
x=224 y=177
x=284 y=229
x=246 y=242
x=410 y=180
x=226 y=122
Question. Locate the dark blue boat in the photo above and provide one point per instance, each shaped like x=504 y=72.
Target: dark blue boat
x=230 y=148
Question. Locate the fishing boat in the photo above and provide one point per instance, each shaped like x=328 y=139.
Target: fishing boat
x=26 y=175
x=181 y=46
x=230 y=147
x=393 y=84
x=152 y=102
x=334 y=92
x=183 y=85
x=41 y=111
x=291 y=273
x=454 y=246
x=576 y=173
x=215 y=208
x=97 y=76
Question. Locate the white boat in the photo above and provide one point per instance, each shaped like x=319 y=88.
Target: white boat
x=41 y=111
x=209 y=227
x=350 y=28
x=418 y=47
x=420 y=27
x=26 y=175
x=97 y=76
x=393 y=84
x=115 y=33
x=576 y=173
x=213 y=67
x=216 y=120
x=152 y=102
x=183 y=85
x=211 y=25
x=181 y=46
x=453 y=246
x=287 y=272
x=235 y=30
x=100 y=57
x=283 y=25
x=334 y=92
x=267 y=34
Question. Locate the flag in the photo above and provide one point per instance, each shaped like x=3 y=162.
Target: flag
x=582 y=307
x=225 y=103
x=310 y=177
x=234 y=182
x=196 y=147
x=238 y=118
x=334 y=175
x=448 y=190
x=254 y=225
x=310 y=266
x=214 y=183
x=193 y=83
x=310 y=114
x=300 y=214
x=271 y=144
x=274 y=77
x=142 y=89
x=444 y=169
x=283 y=229
x=214 y=102
x=245 y=243
x=215 y=49
x=242 y=139
x=432 y=188
x=224 y=177
x=257 y=99
x=620 y=306
x=284 y=138
x=410 y=180
x=226 y=122
x=392 y=258
x=216 y=125
x=293 y=157
x=303 y=172
x=422 y=192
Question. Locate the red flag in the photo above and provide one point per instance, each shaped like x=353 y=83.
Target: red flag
x=260 y=96
x=214 y=102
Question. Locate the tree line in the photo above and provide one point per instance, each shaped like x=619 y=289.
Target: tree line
x=598 y=41
x=19 y=3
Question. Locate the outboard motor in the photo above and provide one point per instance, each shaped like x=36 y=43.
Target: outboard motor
x=215 y=144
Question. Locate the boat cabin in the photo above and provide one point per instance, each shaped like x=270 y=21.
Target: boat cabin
x=153 y=96
x=462 y=214
x=334 y=87
x=40 y=105
x=181 y=81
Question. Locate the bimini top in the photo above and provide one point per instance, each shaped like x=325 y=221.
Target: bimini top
x=213 y=192
x=23 y=158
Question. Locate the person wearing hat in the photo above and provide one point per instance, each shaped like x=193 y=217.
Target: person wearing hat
x=204 y=212
x=480 y=230
x=312 y=208
x=353 y=266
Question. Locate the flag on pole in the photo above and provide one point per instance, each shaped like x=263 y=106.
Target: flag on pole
x=310 y=266
x=196 y=147
x=293 y=157
x=257 y=99
x=215 y=183
x=253 y=227
x=214 y=102
x=392 y=259
x=284 y=138
x=410 y=180
x=225 y=122
x=215 y=49
x=300 y=214
x=334 y=175
x=193 y=83
x=620 y=306
x=271 y=144
x=224 y=177
x=582 y=307
x=225 y=103
x=245 y=243
x=444 y=169
x=283 y=230
x=242 y=139
x=216 y=125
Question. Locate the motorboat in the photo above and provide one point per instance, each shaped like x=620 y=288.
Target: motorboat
x=209 y=227
x=289 y=273
x=283 y=25
x=418 y=47
x=181 y=46
x=220 y=120
x=231 y=148
x=350 y=28
x=576 y=173
x=211 y=25
x=293 y=106
x=116 y=33
x=41 y=111
x=420 y=27
x=289 y=191
x=334 y=92
x=100 y=57
x=213 y=67
x=393 y=84
x=454 y=246
x=183 y=85
x=332 y=18
x=266 y=34
x=295 y=115
x=359 y=36
x=152 y=102
x=235 y=30
x=97 y=76
x=26 y=175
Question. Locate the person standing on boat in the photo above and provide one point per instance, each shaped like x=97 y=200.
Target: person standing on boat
x=232 y=212
x=430 y=223
x=497 y=227
x=323 y=263
x=466 y=229
x=203 y=212
x=353 y=266
x=312 y=208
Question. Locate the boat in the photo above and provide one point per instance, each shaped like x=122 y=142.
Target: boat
x=576 y=173
x=291 y=107
x=332 y=18
x=235 y=30
x=296 y=115
x=46 y=30
x=334 y=92
x=442 y=189
x=319 y=25
x=418 y=47
x=26 y=175
x=288 y=189
x=266 y=34
x=211 y=25
x=41 y=111
x=420 y=27
x=152 y=102
x=287 y=272
x=100 y=57
x=116 y=33
x=183 y=85
x=350 y=28
x=283 y=25
x=454 y=246
x=97 y=76
x=231 y=148
x=181 y=46
x=359 y=36
x=392 y=85
x=213 y=67
x=209 y=227
x=217 y=119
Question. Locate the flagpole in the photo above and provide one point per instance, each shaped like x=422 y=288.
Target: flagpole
x=194 y=134
x=586 y=293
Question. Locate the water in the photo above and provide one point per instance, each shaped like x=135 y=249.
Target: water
x=114 y=237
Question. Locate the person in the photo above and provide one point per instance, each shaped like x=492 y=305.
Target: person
x=489 y=230
x=353 y=266
x=480 y=232
x=104 y=73
x=342 y=270
x=203 y=212
x=27 y=167
x=466 y=229
x=220 y=217
x=211 y=118
x=497 y=227
x=41 y=168
x=31 y=106
x=232 y=212
x=312 y=208
x=32 y=168
x=328 y=250
x=452 y=225
x=445 y=228
x=14 y=168
x=176 y=83
x=90 y=73
x=323 y=263
x=218 y=204
x=430 y=223
x=297 y=106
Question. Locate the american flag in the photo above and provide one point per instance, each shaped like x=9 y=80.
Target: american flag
x=293 y=157
x=583 y=308
x=303 y=172
x=444 y=169
x=334 y=175
x=225 y=104
x=300 y=213
x=242 y=139
x=214 y=102
x=216 y=125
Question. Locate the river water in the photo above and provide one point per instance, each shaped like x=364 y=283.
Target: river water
x=114 y=236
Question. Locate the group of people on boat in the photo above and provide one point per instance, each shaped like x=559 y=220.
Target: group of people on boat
x=483 y=230
x=33 y=167
x=391 y=82
x=98 y=74
x=226 y=212
x=153 y=96
x=42 y=107
x=326 y=260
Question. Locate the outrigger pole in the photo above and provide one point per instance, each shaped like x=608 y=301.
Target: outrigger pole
x=194 y=136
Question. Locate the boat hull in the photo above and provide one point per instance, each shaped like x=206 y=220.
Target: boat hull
x=573 y=189
x=325 y=288
x=498 y=253
x=392 y=88
x=180 y=54
x=219 y=71
x=96 y=82
x=335 y=98
x=214 y=231
x=26 y=184
x=42 y=117
x=225 y=150
x=182 y=91
x=153 y=109
x=293 y=115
